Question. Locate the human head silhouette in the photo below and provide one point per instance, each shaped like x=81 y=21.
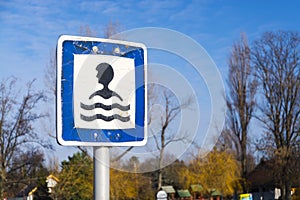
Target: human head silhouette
x=105 y=74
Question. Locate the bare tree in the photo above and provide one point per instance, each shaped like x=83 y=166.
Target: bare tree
x=277 y=60
x=50 y=74
x=87 y=31
x=241 y=100
x=171 y=109
x=111 y=29
x=17 y=115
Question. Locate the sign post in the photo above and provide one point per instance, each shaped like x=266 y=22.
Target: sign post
x=101 y=173
x=101 y=98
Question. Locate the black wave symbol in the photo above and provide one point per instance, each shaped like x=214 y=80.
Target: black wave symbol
x=106 y=94
x=105 y=107
x=105 y=118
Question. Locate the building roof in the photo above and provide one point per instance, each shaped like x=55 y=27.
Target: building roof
x=183 y=193
x=215 y=193
x=168 y=189
x=197 y=188
x=51 y=176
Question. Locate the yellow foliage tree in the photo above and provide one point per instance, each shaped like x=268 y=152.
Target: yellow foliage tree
x=218 y=170
x=126 y=185
x=122 y=185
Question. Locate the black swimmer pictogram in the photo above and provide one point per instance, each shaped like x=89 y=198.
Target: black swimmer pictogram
x=105 y=75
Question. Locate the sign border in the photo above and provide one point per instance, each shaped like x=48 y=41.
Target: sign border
x=59 y=119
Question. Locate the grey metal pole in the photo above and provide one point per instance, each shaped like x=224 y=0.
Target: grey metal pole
x=101 y=173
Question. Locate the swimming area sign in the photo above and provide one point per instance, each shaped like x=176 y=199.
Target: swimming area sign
x=101 y=92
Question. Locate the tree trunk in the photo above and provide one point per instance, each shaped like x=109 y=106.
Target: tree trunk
x=159 y=179
x=2 y=181
x=286 y=188
x=288 y=195
x=244 y=160
x=160 y=169
x=244 y=173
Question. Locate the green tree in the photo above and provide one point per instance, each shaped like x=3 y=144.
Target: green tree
x=31 y=170
x=42 y=192
x=76 y=178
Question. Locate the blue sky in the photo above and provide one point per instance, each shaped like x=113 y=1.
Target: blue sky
x=30 y=29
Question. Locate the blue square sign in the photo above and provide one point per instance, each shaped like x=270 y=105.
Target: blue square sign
x=101 y=92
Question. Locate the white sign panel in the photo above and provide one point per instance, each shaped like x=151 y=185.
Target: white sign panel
x=107 y=99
